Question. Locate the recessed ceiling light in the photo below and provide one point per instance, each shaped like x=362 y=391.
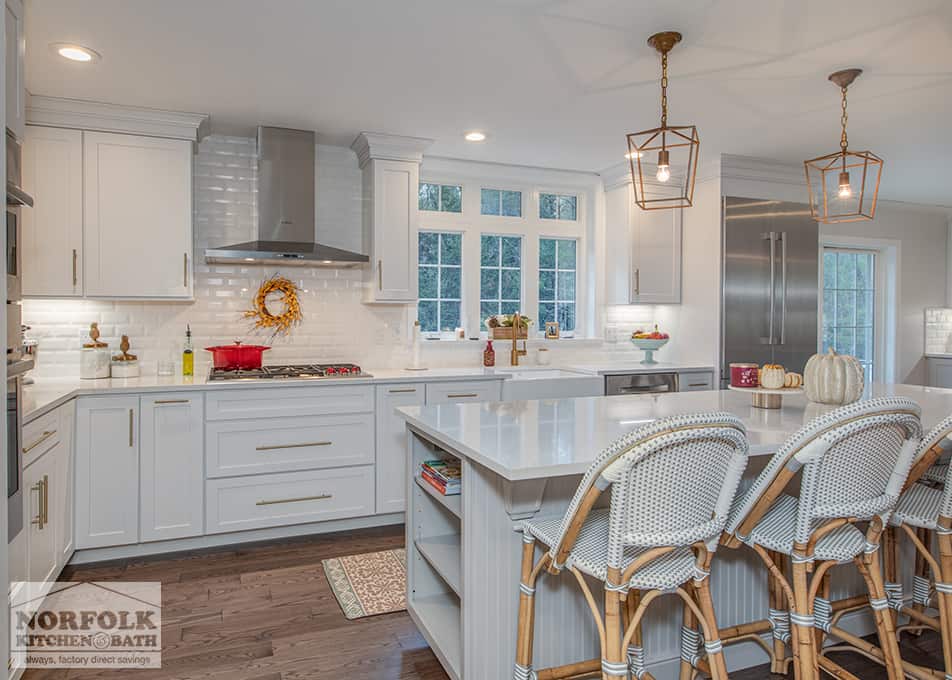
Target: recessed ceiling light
x=475 y=136
x=75 y=52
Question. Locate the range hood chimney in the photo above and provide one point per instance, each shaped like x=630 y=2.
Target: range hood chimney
x=285 y=208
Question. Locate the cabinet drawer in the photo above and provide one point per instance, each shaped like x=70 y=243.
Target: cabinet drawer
x=696 y=382
x=278 y=402
x=246 y=447
x=41 y=435
x=240 y=503
x=461 y=392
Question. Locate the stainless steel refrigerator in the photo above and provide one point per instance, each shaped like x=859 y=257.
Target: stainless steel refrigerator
x=769 y=284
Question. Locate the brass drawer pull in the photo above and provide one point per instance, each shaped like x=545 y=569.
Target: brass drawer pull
x=171 y=401
x=403 y=391
x=323 y=496
x=46 y=435
x=275 y=447
x=461 y=396
x=704 y=384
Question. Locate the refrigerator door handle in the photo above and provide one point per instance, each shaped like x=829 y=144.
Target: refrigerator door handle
x=772 y=237
x=783 y=287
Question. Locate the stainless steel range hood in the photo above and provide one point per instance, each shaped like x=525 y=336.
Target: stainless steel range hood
x=285 y=208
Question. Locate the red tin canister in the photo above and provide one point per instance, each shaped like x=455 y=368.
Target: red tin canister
x=744 y=375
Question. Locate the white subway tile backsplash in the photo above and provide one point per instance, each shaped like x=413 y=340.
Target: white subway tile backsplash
x=938 y=330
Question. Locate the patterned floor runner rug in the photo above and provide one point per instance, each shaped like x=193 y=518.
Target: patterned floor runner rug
x=369 y=584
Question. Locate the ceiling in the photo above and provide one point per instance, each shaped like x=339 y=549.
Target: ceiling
x=553 y=83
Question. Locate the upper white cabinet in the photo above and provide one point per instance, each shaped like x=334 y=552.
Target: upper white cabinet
x=391 y=177
x=172 y=464
x=107 y=471
x=137 y=216
x=52 y=234
x=643 y=251
x=15 y=56
x=656 y=256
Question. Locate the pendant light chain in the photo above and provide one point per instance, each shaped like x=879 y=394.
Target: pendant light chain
x=664 y=89
x=843 y=119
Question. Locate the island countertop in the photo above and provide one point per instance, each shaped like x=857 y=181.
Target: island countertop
x=522 y=440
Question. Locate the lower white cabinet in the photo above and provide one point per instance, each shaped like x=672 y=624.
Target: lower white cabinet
x=696 y=381
x=462 y=391
x=939 y=372
x=259 y=501
x=171 y=466
x=41 y=483
x=66 y=473
x=392 y=444
x=107 y=471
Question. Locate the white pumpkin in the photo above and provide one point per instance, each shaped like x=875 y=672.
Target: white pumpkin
x=833 y=378
x=772 y=376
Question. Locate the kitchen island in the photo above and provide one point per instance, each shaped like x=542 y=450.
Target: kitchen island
x=524 y=459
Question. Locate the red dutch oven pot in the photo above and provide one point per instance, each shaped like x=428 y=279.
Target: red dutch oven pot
x=237 y=356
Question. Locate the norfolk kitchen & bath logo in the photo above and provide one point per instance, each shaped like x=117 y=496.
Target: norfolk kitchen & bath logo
x=87 y=624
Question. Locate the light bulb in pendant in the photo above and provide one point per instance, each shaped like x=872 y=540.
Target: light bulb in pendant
x=845 y=190
x=664 y=166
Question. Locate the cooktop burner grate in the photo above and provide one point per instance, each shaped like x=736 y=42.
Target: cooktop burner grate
x=293 y=371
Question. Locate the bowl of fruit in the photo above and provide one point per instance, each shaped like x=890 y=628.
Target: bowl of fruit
x=649 y=342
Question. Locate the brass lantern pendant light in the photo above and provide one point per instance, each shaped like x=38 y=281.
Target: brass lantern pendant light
x=664 y=159
x=844 y=185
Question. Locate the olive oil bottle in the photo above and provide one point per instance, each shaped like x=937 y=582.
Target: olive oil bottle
x=188 y=356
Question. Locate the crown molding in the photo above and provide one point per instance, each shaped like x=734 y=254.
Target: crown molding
x=762 y=170
x=619 y=175
x=101 y=117
x=379 y=146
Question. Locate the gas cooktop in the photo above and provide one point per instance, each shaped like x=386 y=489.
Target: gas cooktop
x=295 y=371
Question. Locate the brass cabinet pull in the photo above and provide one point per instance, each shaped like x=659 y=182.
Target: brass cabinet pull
x=323 y=496
x=75 y=278
x=40 y=488
x=170 y=401
x=637 y=282
x=185 y=269
x=46 y=500
x=461 y=396
x=275 y=447
x=46 y=435
x=379 y=274
x=131 y=417
x=406 y=390
x=704 y=384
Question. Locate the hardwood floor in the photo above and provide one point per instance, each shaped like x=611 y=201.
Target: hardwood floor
x=266 y=612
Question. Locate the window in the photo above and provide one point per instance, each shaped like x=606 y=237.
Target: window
x=500 y=202
x=849 y=304
x=500 y=275
x=557 y=258
x=441 y=260
x=557 y=207
x=441 y=197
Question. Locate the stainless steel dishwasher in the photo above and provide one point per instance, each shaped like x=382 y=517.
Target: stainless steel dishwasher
x=641 y=383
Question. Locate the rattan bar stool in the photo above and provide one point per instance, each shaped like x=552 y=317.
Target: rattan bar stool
x=672 y=483
x=924 y=511
x=854 y=462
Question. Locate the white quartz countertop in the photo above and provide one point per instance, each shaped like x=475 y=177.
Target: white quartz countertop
x=628 y=367
x=48 y=393
x=549 y=438
x=938 y=355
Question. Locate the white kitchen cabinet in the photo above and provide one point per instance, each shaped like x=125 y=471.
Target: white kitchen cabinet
x=939 y=372
x=41 y=484
x=64 y=525
x=15 y=58
x=52 y=234
x=391 y=181
x=171 y=466
x=462 y=391
x=392 y=444
x=137 y=216
x=656 y=256
x=695 y=381
x=107 y=471
x=643 y=251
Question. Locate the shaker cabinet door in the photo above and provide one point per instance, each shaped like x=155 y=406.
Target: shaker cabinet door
x=107 y=471
x=656 y=256
x=52 y=233
x=392 y=444
x=138 y=216
x=172 y=481
x=393 y=219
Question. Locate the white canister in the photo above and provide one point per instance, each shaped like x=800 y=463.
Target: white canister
x=543 y=357
x=94 y=363
x=125 y=369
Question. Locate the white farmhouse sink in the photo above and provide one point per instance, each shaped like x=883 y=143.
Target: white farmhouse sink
x=548 y=383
